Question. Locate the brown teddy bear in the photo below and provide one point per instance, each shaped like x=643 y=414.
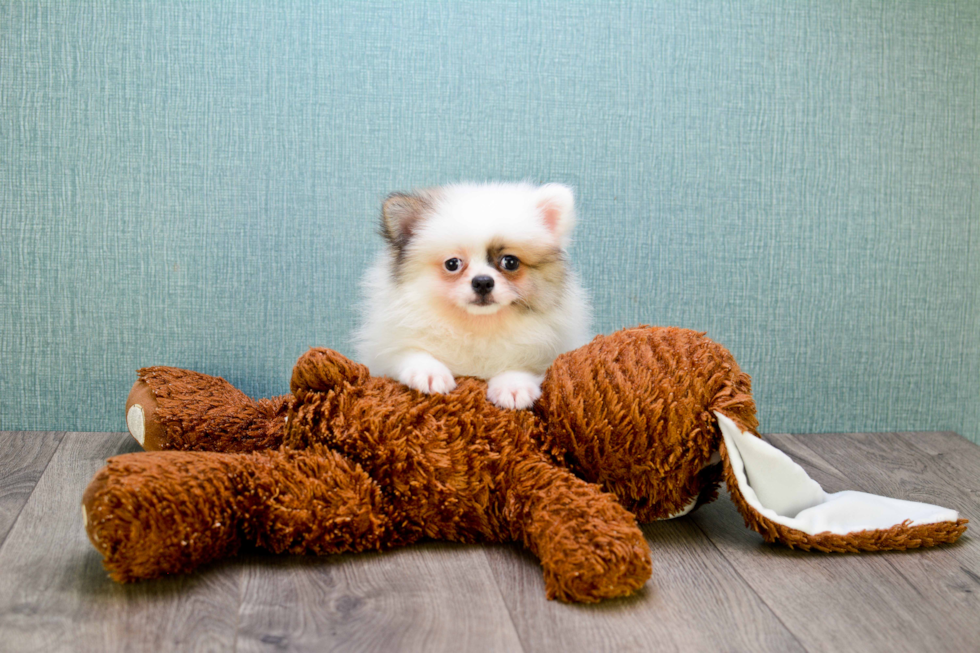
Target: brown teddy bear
x=639 y=425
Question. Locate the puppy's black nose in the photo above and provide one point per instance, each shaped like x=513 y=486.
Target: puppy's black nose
x=482 y=285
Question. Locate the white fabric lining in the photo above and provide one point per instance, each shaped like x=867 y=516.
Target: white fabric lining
x=781 y=491
x=683 y=511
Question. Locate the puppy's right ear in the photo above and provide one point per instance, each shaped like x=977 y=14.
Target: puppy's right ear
x=400 y=215
x=556 y=202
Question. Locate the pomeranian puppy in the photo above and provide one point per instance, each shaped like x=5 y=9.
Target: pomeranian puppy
x=475 y=281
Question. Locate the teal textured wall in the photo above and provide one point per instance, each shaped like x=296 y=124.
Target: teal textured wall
x=196 y=184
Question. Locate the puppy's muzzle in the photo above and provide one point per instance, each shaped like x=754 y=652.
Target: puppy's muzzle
x=482 y=285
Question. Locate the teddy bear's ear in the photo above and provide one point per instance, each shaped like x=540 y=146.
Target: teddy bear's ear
x=320 y=370
x=781 y=502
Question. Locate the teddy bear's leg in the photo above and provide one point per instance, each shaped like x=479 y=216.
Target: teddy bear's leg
x=170 y=408
x=318 y=501
x=158 y=513
x=589 y=545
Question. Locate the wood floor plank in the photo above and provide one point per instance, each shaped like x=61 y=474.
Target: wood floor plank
x=55 y=596
x=429 y=597
x=949 y=576
x=694 y=602
x=23 y=457
x=955 y=459
x=868 y=602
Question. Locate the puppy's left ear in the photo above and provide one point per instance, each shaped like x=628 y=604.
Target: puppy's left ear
x=556 y=202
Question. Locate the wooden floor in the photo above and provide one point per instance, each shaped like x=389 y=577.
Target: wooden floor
x=715 y=585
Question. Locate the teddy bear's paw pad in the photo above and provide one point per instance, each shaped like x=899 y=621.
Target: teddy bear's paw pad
x=514 y=390
x=135 y=423
x=142 y=418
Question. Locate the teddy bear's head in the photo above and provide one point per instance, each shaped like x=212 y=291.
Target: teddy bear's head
x=633 y=412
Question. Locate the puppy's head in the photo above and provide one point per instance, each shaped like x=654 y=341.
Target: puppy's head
x=480 y=250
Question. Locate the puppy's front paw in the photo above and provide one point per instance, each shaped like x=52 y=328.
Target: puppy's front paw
x=424 y=373
x=514 y=389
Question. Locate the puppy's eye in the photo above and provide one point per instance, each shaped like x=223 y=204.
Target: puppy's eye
x=452 y=264
x=510 y=263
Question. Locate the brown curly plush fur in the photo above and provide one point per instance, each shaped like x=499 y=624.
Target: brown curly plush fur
x=624 y=430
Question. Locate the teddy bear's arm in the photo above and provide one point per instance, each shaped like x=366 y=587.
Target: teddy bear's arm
x=321 y=369
x=151 y=514
x=589 y=545
x=171 y=408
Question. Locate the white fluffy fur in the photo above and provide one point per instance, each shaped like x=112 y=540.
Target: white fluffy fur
x=420 y=325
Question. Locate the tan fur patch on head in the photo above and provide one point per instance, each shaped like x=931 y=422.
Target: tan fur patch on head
x=531 y=255
x=541 y=275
